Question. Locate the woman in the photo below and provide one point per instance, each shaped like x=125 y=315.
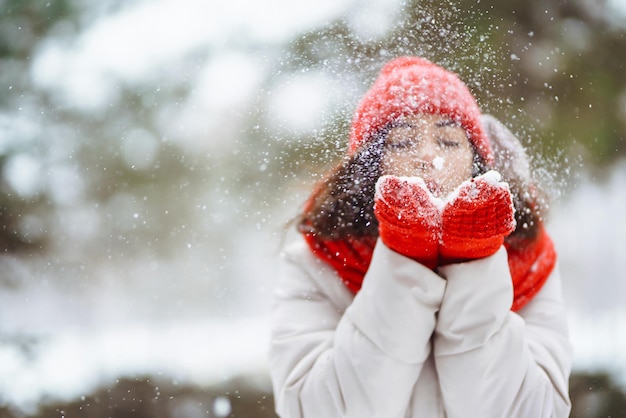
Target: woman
x=424 y=285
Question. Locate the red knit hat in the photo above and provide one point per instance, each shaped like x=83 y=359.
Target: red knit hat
x=413 y=85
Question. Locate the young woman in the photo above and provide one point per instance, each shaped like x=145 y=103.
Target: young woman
x=425 y=284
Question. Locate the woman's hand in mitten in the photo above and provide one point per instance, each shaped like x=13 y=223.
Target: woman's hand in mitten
x=408 y=218
x=476 y=219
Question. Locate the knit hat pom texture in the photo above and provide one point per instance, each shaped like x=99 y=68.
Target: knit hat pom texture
x=414 y=85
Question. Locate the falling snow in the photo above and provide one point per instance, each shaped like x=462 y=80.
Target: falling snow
x=139 y=314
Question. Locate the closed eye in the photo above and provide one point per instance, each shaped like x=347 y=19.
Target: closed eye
x=448 y=143
x=401 y=145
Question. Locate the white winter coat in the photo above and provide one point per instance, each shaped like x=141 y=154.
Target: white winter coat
x=413 y=343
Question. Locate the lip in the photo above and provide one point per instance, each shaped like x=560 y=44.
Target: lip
x=434 y=187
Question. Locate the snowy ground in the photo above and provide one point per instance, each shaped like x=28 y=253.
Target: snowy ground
x=68 y=365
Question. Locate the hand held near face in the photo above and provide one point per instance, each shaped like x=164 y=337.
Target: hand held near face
x=472 y=223
x=408 y=218
x=476 y=219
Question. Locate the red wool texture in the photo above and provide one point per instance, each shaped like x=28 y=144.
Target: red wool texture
x=530 y=264
x=409 y=222
x=412 y=85
x=475 y=223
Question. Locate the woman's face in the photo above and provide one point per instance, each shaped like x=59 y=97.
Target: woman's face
x=431 y=147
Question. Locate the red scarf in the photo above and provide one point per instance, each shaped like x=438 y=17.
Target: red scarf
x=530 y=265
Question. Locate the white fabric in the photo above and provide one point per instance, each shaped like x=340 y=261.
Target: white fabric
x=510 y=158
x=413 y=344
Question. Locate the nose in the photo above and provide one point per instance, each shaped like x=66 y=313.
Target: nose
x=428 y=152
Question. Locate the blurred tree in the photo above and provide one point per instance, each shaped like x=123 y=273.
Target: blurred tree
x=67 y=173
x=596 y=395
x=22 y=25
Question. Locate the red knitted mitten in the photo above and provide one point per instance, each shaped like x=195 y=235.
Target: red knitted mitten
x=477 y=219
x=408 y=218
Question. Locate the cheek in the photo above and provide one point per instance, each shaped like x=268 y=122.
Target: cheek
x=457 y=168
x=399 y=165
x=462 y=164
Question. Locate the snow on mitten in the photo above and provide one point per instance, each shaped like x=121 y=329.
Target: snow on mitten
x=476 y=219
x=408 y=218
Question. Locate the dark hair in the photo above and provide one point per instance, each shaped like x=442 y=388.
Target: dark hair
x=342 y=204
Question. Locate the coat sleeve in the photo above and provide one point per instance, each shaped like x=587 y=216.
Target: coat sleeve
x=361 y=363
x=496 y=363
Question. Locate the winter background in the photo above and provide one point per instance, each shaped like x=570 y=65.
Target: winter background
x=151 y=153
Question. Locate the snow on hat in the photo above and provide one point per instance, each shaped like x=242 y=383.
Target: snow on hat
x=413 y=85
